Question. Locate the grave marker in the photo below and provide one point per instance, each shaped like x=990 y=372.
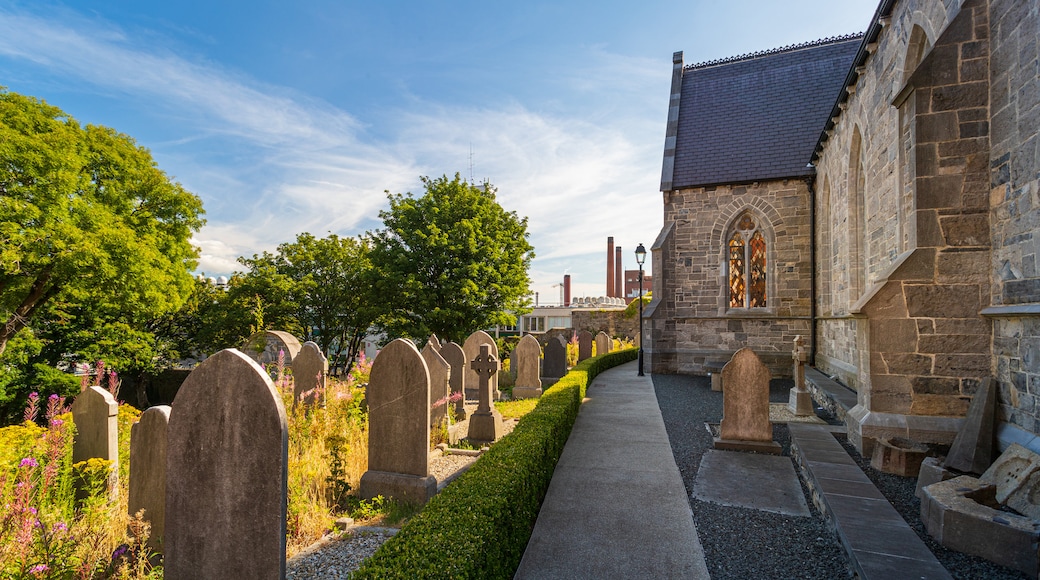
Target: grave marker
x=263 y=347
x=148 y=471
x=800 y=401
x=554 y=364
x=456 y=359
x=472 y=349
x=226 y=473
x=526 y=357
x=486 y=423
x=310 y=371
x=95 y=414
x=584 y=345
x=399 y=426
x=440 y=373
x=603 y=343
x=434 y=342
x=745 y=405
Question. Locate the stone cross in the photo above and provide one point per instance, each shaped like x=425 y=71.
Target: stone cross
x=95 y=414
x=526 y=356
x=227 y=456
x=745 y=405
x=456 y=359
x=310 y=371
x=486 y=423
x=584 y=345
x=800 y=402
x=148 y=471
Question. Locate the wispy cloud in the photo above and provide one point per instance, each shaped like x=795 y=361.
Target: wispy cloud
x=290 y=163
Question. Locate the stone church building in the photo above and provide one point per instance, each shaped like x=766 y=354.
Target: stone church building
x=876 y=194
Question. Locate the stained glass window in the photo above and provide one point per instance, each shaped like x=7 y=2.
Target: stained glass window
x=747 y=265
x=736 y=271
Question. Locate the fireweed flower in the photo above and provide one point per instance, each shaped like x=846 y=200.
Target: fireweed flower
x=28 y=462
x=38 y=569
x=59 y=527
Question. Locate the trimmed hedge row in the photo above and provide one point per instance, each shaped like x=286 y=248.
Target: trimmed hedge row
x=479 y=526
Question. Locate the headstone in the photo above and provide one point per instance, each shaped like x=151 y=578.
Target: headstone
x=452 y=354
x=226 y=473
x=584 y=345
x=434 y=342
x=554 y=363
x=440 y=373
x=972 y=449
x=745 y=405
x=526 y=357
x=95 y=413
x=398 y=397
x=603 y=343
x=310 y=370
x=472 y=349
x=264 y=347
x=486 y=423
x=148 y=471
x=800 y=401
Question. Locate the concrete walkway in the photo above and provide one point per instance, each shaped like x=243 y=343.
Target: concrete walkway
x=616 y=506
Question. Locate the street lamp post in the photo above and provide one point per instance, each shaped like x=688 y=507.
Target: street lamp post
x=640 y=258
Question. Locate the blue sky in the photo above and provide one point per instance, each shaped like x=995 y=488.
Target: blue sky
x=295 y=117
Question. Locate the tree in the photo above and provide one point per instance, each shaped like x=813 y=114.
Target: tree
x=94 y=243
x=451 y=261
x=86 y=217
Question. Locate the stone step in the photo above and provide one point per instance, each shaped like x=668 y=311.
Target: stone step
x=876 y=538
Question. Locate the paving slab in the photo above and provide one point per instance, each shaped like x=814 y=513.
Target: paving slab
x=750 y=480
x=616 y=506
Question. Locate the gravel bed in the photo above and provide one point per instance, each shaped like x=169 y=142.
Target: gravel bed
x=899 y=491
x=339 y=556
x=743 y=543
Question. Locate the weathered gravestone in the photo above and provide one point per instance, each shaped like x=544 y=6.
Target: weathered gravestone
x=434 y=342
x=226 y=466
x=485 y=424
x=310 y=370
x=95 y=414
x=603 y=343
x=472 y=349
x=452 y=353
x=265 y=347
x=745 y=405
x=554 y=363
x=399 y=426
x=440 y=374
x=526 y=357
x=584 y=345
x=800 y=401
x=148 y=471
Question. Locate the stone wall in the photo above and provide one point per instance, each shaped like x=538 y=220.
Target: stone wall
x=693 y=328
x=612 y=322
x=1015 y=208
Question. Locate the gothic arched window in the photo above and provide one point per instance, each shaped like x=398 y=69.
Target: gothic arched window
x=747 y=265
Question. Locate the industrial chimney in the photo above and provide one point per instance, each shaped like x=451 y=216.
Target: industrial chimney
x=619 y=289
x=566 y=290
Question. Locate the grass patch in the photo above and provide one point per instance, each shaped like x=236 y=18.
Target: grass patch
x=515 y=409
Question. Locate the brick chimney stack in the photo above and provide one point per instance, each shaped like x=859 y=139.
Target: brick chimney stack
x=619 y=289
x=566 y=289
x=610 y=266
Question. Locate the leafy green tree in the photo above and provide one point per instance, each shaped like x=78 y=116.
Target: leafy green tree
x=451 y=261
x=90 y=228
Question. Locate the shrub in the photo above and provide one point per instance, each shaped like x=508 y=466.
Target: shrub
x=479 y=526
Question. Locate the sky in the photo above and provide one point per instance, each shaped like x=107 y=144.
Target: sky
x=297 y=117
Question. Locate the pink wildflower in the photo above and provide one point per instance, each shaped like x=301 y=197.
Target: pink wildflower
x=60 y=527
x=33 y=407
x=28 y=462
x=38 y=569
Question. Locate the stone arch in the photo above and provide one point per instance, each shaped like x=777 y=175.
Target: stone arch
x=766 y=229
x=728 y=214
x=857 y=218
x=917 y=47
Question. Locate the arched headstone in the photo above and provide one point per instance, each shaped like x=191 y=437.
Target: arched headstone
x=440 y=374
x=263 y=347
x=148 y=471
x=526 y=358
x=398 y=398
x=226 y=473
x=603 y=343
x=745 y=405
x=456 y=359
x=554 y=363
x=310 y=371
x=584 y=345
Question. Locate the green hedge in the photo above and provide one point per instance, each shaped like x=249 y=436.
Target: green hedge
x=478 y=527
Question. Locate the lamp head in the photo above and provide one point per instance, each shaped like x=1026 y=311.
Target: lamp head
x=640 y=254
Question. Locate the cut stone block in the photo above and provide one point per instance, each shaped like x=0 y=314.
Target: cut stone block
x=972 y=449
x=899 y=456
x=959 y=514
x=1011 y=470
x=932 y=471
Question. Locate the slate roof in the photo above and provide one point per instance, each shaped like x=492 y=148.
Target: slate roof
x=757 y=117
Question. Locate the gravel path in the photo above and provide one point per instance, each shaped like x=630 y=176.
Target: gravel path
x=743 y=543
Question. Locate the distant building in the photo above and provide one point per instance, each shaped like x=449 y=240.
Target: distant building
x=632 y=284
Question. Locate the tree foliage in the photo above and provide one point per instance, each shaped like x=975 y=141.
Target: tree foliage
x=92 y=233
x=451 y=261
